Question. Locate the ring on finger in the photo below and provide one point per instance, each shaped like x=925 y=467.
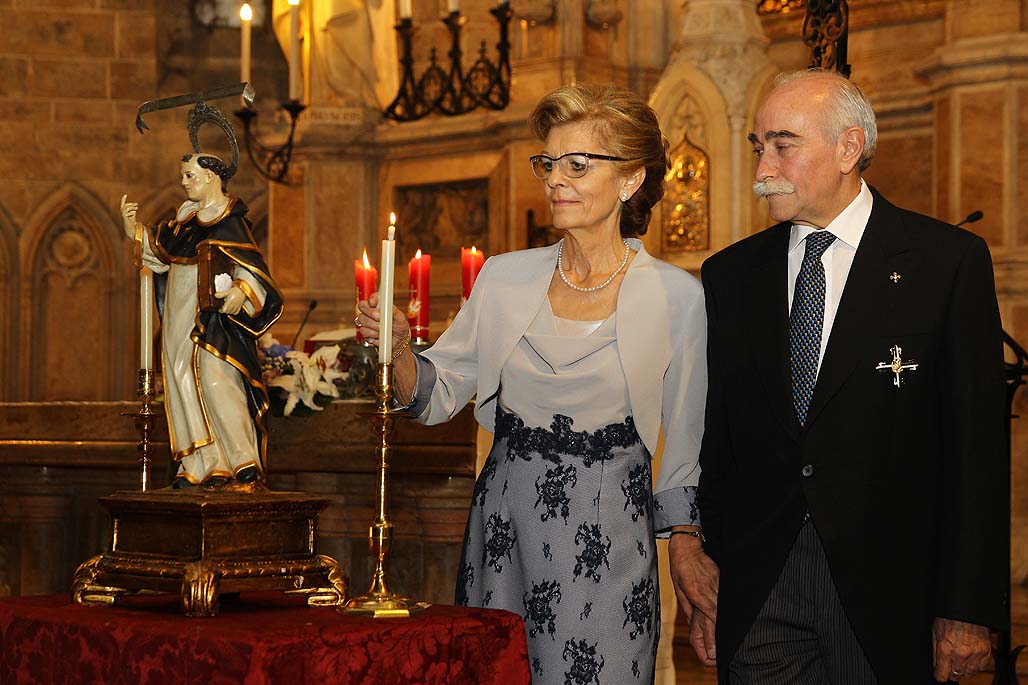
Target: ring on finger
x=357 y=321
x=957 y=672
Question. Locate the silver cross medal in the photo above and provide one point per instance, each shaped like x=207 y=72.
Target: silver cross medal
x=897 y=365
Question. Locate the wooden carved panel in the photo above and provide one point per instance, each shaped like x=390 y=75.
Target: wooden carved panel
x=686 y=203
x=441 y=218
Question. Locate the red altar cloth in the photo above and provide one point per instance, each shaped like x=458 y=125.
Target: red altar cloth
x=261 y=639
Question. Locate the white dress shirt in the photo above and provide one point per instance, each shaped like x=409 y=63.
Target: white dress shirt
x=848 y=229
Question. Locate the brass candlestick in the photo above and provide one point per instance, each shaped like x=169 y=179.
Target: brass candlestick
x=144 y=420
x=379 y=602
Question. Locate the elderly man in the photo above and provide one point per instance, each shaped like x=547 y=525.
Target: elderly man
x=854 y=486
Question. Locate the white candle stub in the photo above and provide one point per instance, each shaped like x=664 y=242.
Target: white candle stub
x=222 y=282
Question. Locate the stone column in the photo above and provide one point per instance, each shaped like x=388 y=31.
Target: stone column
x=978 y=84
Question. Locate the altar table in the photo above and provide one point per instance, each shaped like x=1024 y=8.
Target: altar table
x=258 y=639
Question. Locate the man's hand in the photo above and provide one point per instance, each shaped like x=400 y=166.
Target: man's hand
x=695 y=576
x=959 y=649
x=128 y=216
x=234 y=297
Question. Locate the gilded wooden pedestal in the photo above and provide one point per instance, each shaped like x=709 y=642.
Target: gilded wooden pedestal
x=201 y=545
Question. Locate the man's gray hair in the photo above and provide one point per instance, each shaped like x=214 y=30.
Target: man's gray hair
x=846 y=106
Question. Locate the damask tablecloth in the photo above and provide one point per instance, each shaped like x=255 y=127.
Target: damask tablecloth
x=258 y=639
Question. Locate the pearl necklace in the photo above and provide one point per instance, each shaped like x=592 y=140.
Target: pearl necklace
x=601 y=286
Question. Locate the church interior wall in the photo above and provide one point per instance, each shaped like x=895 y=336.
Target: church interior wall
x=9 y=301
x=953 y=118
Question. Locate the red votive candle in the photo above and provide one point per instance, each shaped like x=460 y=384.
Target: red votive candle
x=366 y=276
x=471 y=262
x=417 y=305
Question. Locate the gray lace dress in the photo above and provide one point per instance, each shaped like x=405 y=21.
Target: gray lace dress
x=560 y=529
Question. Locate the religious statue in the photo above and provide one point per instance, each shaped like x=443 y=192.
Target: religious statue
x=353 y=62
x=216 y=298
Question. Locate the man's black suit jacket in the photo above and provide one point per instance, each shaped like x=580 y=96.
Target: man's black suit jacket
x=907 y=486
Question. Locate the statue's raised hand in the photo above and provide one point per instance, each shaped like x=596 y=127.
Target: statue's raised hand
x=128 y=216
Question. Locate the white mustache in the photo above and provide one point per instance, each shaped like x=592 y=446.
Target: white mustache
x=773 y=187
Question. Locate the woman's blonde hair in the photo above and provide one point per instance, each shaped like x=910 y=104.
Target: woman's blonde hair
x=628 y=128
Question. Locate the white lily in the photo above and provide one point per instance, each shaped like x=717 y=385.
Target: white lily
x=311 y=375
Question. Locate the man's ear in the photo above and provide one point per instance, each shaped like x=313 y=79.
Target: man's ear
x=851 y=147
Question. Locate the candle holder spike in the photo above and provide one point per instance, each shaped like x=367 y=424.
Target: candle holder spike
x=486 y=84
x=144 y=420
x=271 y=162
x=408 y=104
x=379 y=601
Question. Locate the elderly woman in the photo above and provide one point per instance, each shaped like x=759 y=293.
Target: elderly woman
x=578 y=353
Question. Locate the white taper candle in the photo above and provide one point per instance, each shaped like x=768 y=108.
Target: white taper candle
x=245 y=24
x=145 y=319
x=295 y=77
x=385 y=294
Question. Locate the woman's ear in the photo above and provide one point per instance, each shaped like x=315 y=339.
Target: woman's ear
x=632 y=183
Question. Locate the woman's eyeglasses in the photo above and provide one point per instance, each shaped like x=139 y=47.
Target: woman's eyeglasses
x=572 y=165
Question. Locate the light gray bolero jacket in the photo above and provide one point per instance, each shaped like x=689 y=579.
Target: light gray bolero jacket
x=661 y=338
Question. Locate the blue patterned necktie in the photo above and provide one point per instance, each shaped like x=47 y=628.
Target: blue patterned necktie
x=806 y=321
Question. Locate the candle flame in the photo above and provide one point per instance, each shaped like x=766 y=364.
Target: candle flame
x=367 y=264
x=473 y=250
x=294 y=2
x=417 y=255
x=392 y=218
x=245 y=13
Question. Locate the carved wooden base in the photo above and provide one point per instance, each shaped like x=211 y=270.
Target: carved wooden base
x=201 y=545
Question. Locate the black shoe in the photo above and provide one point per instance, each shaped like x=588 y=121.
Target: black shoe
x=180 y=483
x=215 y=482
x=250 y=474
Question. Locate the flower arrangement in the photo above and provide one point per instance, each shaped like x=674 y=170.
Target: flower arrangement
x=302 y=383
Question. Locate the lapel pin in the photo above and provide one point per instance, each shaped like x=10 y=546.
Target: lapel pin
x=895 y=277
x=897 y=366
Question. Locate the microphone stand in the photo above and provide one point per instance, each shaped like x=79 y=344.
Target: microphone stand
x=303 y=322
x=974 y=216
x=1016 y=371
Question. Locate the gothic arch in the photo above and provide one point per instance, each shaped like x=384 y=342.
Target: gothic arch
x=77 y=281
x=725 y=103
x=688 y=102
x=8 y=306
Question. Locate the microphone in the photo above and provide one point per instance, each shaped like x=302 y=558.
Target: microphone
x=974 y=216
x=303 y=322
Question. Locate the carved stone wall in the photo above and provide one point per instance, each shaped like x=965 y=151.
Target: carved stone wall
x=73 y=270
x=9 y=279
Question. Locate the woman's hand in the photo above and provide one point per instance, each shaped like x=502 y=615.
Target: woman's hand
x=368 y=320
x=696 y=578
x=405 y=372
